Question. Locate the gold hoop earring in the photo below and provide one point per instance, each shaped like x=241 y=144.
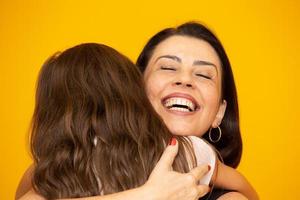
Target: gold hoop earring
x=219 y=136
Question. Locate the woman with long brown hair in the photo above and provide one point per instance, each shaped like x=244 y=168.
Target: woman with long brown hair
x=94 y=131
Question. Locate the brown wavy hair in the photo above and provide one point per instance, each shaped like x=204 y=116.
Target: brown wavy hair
x=94 y=130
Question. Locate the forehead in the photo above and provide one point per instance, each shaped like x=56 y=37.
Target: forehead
x=186 y=48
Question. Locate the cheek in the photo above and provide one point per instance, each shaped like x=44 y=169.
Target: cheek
x=154 y=86
x=211 y=95
x=152 y=92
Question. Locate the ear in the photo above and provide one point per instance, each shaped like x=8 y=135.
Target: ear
x=220 y=114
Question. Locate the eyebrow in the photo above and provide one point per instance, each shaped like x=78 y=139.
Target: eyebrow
x=177 y=59
x=202 y=62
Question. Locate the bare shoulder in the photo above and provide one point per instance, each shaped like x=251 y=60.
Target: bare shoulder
x=25 y=182
x=31 y=195
x=232 y=196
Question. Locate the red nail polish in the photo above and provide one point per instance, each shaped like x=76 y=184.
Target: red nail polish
x=172 y=141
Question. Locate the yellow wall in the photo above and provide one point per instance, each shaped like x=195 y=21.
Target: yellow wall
x=261 y=38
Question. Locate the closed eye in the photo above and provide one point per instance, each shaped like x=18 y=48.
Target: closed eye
x=167 y=68
x=203 y=76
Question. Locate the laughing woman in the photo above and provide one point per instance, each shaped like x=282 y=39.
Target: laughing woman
x=190 y=84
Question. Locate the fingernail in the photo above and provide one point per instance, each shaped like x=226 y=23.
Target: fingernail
x=209 y=167
x=172 y=141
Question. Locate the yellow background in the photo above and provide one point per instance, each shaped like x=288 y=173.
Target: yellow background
x=261 y=39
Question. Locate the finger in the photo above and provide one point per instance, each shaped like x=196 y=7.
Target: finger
x=168 y=156
x=199 y=172
x=202 y=190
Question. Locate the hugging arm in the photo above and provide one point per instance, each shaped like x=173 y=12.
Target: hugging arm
x=230 y=179
x=223 y=176
x=174 y=186
x=137 y=193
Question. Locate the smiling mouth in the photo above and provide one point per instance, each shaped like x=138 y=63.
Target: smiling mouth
x=180 y=104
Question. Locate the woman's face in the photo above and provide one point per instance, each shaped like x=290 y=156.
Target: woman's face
x=183 y=83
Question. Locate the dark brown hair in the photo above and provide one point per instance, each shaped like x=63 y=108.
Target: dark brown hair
x=230 y=145
x=94 y=130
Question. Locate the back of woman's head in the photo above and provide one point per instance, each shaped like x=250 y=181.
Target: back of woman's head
x=93 y=130
x=230 y=145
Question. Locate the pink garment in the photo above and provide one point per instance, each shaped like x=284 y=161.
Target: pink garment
x=205 y=154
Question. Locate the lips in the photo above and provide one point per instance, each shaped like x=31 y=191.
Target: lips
x=180 y=102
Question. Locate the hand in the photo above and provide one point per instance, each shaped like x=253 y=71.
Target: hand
x=166 y=184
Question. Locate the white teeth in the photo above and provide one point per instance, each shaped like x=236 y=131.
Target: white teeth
x=180 y=109
x=169 y=103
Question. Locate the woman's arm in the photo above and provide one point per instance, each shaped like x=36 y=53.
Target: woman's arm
x=163 y=183
x=25 y=191
x=137 y=193
x=231 y=179
x=224 y=176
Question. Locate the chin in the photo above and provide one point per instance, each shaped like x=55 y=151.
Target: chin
x=180 y=131
x=184 y=131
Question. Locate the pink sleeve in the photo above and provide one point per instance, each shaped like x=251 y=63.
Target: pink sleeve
x=204 y=155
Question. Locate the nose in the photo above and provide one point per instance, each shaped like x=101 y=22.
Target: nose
x=183 y=84
x=184 y=80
